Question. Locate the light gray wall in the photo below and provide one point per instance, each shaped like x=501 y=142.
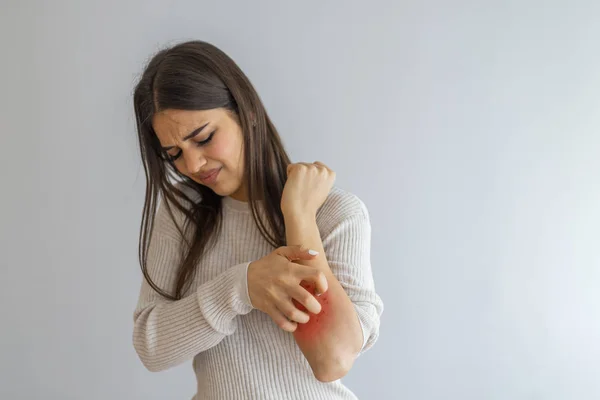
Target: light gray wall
x=470 y=130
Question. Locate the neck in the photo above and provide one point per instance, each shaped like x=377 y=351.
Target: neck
x=241 y=194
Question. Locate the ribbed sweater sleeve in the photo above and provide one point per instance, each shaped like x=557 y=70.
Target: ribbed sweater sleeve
x=166 y=332
x=347 y=244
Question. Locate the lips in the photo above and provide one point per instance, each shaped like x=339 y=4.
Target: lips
x=208 y=174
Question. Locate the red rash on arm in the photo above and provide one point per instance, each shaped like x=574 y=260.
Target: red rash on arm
x=317 y=324
x=331 y=339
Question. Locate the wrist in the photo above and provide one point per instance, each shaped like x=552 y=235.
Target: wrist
x=299 y=217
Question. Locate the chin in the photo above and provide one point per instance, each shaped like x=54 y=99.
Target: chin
x=220 y=192
x=218 y=189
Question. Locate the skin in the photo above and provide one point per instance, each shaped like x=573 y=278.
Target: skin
x=331 y=339
x=225 y=148
x=298 y=291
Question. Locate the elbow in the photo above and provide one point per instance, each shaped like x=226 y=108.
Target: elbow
x=330 y=375
x=150 y=360
x=149 y=350
x=334 y=364
x=151 y=365
x=334 y=368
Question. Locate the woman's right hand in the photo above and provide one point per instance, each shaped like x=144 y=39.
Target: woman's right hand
x=274 y=280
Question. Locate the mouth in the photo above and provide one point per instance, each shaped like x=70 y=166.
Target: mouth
x=210 y=176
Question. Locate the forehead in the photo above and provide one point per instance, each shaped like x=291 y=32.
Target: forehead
x=172 y=125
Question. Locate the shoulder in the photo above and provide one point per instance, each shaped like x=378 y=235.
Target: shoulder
x=341 y=205
x=173 y=222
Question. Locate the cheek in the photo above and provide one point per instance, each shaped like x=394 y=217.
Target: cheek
x=218 y=150
x=226 y=152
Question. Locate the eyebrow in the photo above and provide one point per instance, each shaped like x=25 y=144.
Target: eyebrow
x=195 y=132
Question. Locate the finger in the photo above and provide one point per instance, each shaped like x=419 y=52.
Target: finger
x=322 y=165
x=305 y=164
x=296 y=253
x=292 y=313
x=304 y=300
x=314 y=276
x=281 y=320
x=292 y=166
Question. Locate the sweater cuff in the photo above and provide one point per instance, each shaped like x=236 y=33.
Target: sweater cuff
x=369 y=324
x=225 y=297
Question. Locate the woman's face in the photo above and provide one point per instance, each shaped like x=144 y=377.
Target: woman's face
x=206 y=146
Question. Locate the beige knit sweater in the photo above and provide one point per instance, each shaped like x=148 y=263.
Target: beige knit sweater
x=238 y=352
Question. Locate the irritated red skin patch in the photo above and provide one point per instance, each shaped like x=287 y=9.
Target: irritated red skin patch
x=317 y=324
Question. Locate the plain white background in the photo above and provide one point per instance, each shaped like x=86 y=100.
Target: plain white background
x=470 y=129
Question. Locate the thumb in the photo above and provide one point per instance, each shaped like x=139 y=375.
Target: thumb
x=296 y=253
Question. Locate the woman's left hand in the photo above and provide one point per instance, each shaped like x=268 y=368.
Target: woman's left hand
x=306 y=188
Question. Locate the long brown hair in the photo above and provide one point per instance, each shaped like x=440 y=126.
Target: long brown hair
x=196 y=75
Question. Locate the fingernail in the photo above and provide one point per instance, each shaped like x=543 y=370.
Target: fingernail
x=313 y=253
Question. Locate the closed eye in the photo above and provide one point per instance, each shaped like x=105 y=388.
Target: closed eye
x=170 y=157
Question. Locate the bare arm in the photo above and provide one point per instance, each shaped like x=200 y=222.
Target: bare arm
x=332 y=339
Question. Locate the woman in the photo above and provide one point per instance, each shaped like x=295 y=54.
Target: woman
x=255 y=268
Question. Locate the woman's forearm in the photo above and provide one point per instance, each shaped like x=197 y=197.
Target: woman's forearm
x=331 y=339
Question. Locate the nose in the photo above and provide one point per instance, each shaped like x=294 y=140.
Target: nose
x=194 y=162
